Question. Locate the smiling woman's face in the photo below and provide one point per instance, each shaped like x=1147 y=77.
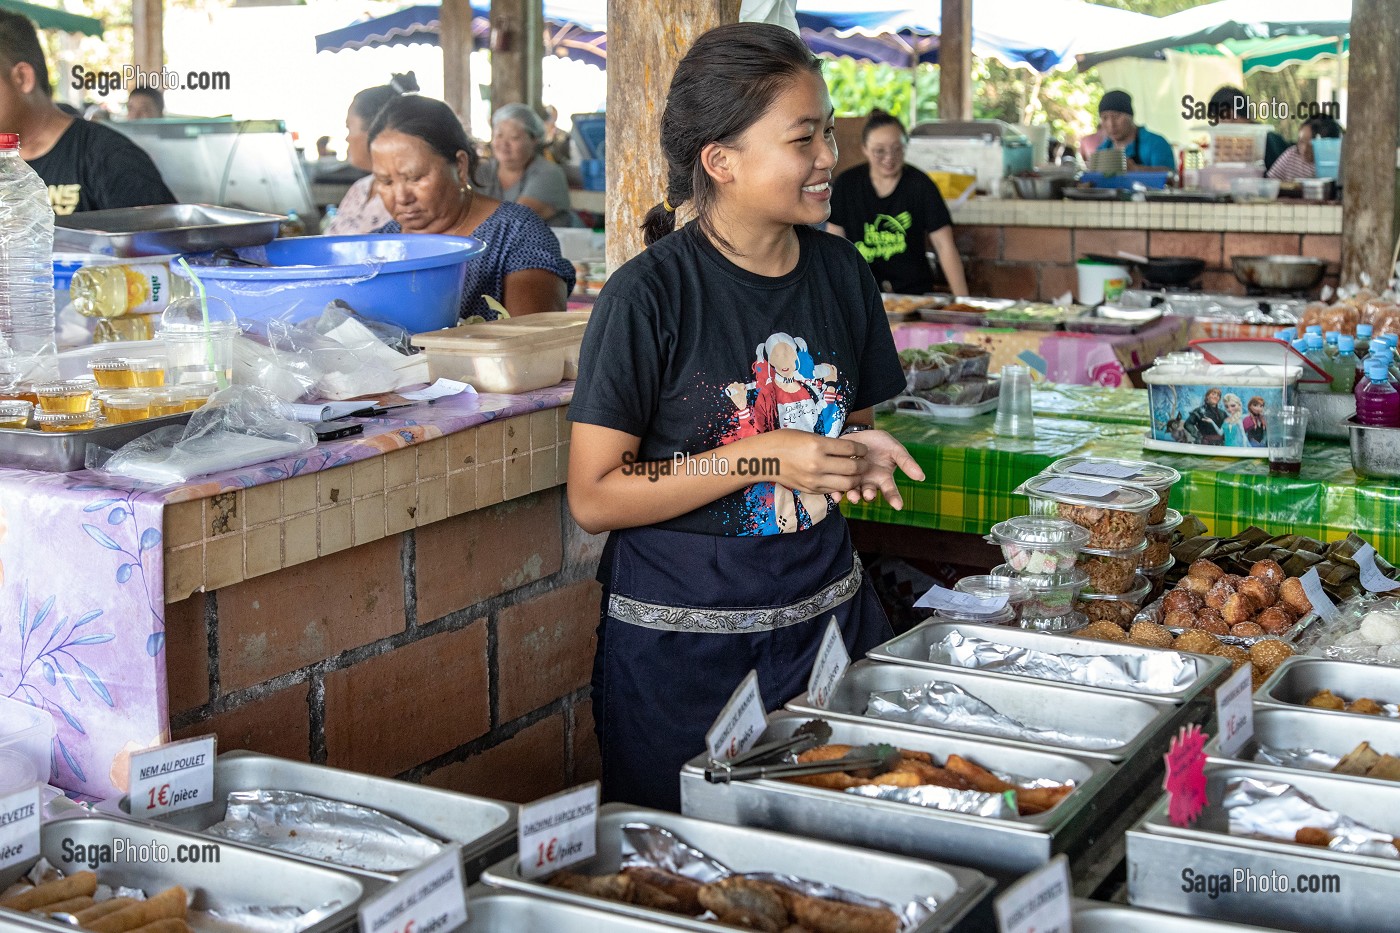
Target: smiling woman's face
x=420 y=189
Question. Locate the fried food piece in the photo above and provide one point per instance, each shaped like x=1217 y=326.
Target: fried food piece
x=609 y=887
x=935 y=776
x=1358 y=761
x=1268 y=654
x=1103 y=631
x=1294 y=599
x=1238 y=608
x=825 y=753
x=1275 y=619
x=78 y=884
x=1219 y=594
x=1268 y=570
x=1205 y=570
x=70 y=906
x=683 y=892
x=1236 y=655
x=1182 y=601
x=1312 y=836
x=165 y=926
x=1029 y=800
x=826 y=916
x=1179 y=618
x=1246 y=630
x=1198 y=585
x=1386 y=769
x=1150 y=634
x=976 y=776
x=1326 y=699
x=102 y=909
x=1212 y=624
x=1262 y=592
x=168 y=904
x=1197 y=642
x=745 y=903
x=1366 y=707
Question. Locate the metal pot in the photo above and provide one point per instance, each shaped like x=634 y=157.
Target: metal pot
x=1279 y=273
x=1041 y=187
x=1168 y=270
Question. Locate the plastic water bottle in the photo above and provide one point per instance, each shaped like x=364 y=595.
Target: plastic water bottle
x=1344 y=365
x=329 y=218
x=1287 y=335
x=1331 y=344
x=1314 y=329
x=1377 y=402
x=1363 y=341
x=1301 y=345
x=26 y=261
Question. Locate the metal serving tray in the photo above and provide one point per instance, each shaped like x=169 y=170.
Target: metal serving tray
x=1374 y=451
x=1133 y=723
x=63 y=452
x=484 y=828
x=1097 y=322
x=912 y=650
x=1298 y=679
x=493 y=910
x=162 y=229
x=1004 y=849
x=239 y=876
x=874 y=874
x=1098 y=917
x=1279 y=727
x=1362 y=890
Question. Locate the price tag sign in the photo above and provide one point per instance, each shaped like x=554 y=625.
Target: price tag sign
x=1085 y=489
x=946 y=600
x=1322 y=603
x=1371 y=577
x=1185 y=782
x=1107 y=470
x=171 y=777
x=1039 y=902
x=832 y=661
x=1234 y=707
x=430 y=899
x=19 y=826
x=740 y=723
x=559 y=831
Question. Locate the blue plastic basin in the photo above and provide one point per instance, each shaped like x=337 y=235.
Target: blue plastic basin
x=413 y=280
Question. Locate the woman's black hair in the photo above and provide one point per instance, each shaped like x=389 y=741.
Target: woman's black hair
x=367 y=104
x=431 y=121
x=1324 y=128
x=725 y=84
x=877 y=119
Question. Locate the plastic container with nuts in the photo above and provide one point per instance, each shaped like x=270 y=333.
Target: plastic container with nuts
x=1160 y=479
x=1116 y=607
x=1159 y=541
x=991 y=586
x=1114 y=513
x=1112 y=571
x=1036 y=545
x=1050 y=597
x=1158 y=577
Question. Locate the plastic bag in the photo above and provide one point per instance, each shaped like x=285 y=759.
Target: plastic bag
x=347 y=355
x=238 y=426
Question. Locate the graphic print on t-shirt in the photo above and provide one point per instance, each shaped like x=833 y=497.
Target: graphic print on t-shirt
x=789 y=390
x=886 y=236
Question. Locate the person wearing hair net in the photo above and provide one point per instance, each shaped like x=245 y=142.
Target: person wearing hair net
x=1141 y=147
x=518 y=172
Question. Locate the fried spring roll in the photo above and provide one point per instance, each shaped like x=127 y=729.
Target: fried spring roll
x=70 y=906
x=103 y=908
x=168 y=904
x=80 y=884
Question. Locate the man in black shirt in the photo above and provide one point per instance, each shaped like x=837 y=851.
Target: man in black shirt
x=88 y=167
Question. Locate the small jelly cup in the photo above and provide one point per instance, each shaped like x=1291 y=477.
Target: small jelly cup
x=15 y=414
x=65 y=421
x=1034 y=544
x=72 y=396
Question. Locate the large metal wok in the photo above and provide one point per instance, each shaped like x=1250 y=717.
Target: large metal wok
x=1279 y=273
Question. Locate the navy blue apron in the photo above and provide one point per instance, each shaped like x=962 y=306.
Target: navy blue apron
x=686 y=616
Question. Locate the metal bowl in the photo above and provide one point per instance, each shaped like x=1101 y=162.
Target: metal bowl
x=1284 y=273
x=1041 y=187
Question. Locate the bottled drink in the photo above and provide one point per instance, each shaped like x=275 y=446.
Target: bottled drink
x=1377 y=402
x=1344 y=366
x=1314 y=329
x=1287 y=335
x=120 y=290
x=26 y=261
x=1363 y=341
x=1301 y=345
x=329 y=218
x=1331 y=344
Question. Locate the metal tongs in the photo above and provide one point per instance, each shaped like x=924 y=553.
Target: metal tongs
x=866 y=761
x=764 y=760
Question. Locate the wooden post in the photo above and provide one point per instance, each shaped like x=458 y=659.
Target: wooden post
x=955 y=61
x=646 y=40
x=148 y=34
x=455 y=37
x=517 y=52
x=1368 y=152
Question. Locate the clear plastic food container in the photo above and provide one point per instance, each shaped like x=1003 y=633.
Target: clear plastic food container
x=1036 y=545
x=1159 y=541
x=1116 y=607
x=1158 y=578
x=15 y=414
x=58 y=422
x=67 y=397
x=500 y=357
x=1050 y=597
x=990 y=586
x=1114 y=513
x=1112 y=571
x=1160 y=479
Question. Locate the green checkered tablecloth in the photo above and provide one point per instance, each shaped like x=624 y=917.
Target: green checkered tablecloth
x=971 y=472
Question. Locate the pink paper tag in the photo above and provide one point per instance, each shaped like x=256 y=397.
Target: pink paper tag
x=1186 y=776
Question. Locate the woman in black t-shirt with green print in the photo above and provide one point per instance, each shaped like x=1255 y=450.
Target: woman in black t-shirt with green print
x=892 y=211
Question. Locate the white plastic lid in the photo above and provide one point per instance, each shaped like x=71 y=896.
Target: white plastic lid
x=1145 y=473
x=1041 y=532
x=16 y=771
x=1123 y=497
x=1070 y=581
x=1167 y=525
x=185 y=316
x=1135 y=594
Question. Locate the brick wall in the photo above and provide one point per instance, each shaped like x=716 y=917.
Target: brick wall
x=1038 y=262
x=457 y=654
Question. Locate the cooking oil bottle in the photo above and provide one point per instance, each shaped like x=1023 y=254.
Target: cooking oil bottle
x=124 y=298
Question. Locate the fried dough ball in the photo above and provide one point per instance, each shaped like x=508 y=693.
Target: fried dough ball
x=1236 y=655
x=1257 y=678
x=1365 y=706
x=1219 y=593
x=1326 y=699
x=1294 y=599
x=1246 y=630
x=1198 y=585
x=1276 y=619
x=1198 y=642
x=1150 y=634
x=1175 y=618
x=1182 y=601
x=1205 y=570
x=1213 y=624
x=1267 y=655
x=1264 y=593
x=1238 y=608
x=1103 y=631
x=1209 y=614
x=1268 y=571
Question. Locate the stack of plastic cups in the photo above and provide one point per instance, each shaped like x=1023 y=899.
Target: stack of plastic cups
x=1014 y=415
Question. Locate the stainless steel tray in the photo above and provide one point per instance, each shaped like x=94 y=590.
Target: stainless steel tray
x=966 y=318
x=1096 y=322
x=162 y=229
x=1004 y=849
x=1134 y=723
x=1328 y=413
x=494 y=910
x=912 y=650
x=63 y=452
x=1364 y=889
x=1279 y=727
x=1375 y=452
x=1298 y=679
x=1098 y=917
x=484 y=828
x=874 y=874
x=239 y=876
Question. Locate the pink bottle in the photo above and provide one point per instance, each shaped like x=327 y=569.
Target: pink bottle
x=1377 y=402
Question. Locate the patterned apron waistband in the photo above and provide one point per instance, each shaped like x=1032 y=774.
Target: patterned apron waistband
x=737 y=621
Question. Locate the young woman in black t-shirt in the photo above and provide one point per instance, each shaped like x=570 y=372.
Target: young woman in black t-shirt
x=892 y=212
x=721 y=371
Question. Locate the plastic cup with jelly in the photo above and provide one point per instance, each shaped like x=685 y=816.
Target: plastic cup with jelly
x=199 y=346
x=124 y=407
x=65 y=421
x=15 y=414
x=72 y=396
x=128 y=373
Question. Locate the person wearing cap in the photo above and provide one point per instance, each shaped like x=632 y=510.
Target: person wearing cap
x=1141 y=147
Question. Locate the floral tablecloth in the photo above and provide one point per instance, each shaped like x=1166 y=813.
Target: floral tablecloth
x=82 y=602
